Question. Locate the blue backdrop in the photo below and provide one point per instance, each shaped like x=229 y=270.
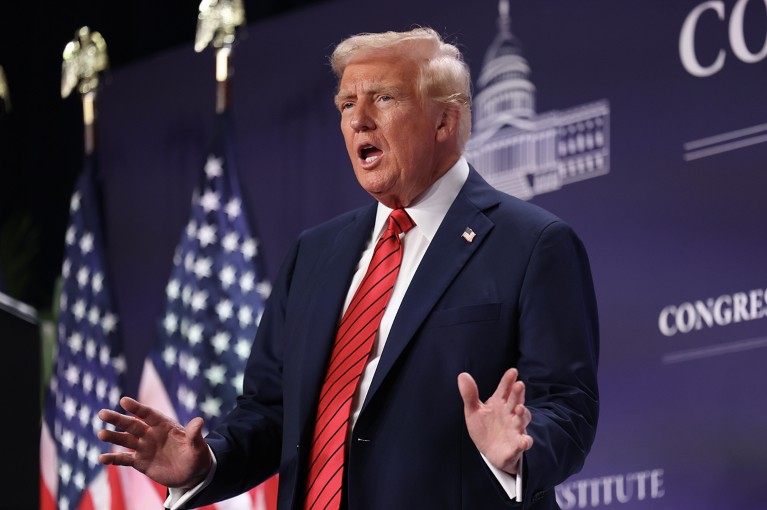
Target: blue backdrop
x=651 y=115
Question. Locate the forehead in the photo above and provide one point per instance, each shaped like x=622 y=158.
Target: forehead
x=377 y=70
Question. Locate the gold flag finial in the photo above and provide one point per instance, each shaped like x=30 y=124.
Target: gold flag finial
x=217 y=23
x=85 y=57
x=5 y=95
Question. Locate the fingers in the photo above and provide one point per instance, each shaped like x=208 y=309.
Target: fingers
x=127 y=423
x=194 y=432
x=147 y=414
x=469 y=392
x=525 y=442
x=117 y=459
x=119 y=438
x=506 y=385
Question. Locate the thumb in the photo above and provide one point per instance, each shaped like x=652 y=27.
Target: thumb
x=194 y=432
x=469 y=391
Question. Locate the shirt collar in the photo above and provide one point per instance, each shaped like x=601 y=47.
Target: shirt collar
x=431 y=207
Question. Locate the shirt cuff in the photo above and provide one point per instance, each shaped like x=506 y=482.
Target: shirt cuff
x=177 y=498
x=512 y=485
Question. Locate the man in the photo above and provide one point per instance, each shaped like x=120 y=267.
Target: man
x=489 y=292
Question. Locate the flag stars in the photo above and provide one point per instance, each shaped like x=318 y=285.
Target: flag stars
x=203 y=267
x=79 y=480
x=248 y=281
x=71 y=236
x=78 y=310
x=82 y=448
x=227 y=275
x=94 y=314
x=109 y=322
x=189 y=261
x=74 y=204
x=119 y=364
x=75 y=342
x=101 y=389
x=97 y=282
x=65 y=472
x=230 y=242
x=86 y=243
x=191 y=229
x=87 y=382
x=224 y=310
x=169 y=355
x=214 y=167
x=173 y=289
x=242 y=349
x=69 y=408
x=72 y=375
x=210 y=201
x=249 y=248
x=84 y=415
x=190 y=365
x=170 y=323
x=199 y=300
x=67 y=440
x=93 y=452
x=233 y=208
x=216 y=374
x=83 y=277
x=211 y=406
x=186 y=398
x=90 y=349
x=206 y=235
x=104 y=355
x=237 y=382
x=194 y=335
x=186 y=294
x=114 y=396
x=245 y=315
x=220 y=342
x=264 y=289
x=66 y=268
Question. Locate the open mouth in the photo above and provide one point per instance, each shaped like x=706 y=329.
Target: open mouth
x=369 y=153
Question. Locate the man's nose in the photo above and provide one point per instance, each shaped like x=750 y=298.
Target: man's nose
x=361 y=119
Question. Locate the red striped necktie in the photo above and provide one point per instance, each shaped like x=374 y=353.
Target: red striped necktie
x=354 y=340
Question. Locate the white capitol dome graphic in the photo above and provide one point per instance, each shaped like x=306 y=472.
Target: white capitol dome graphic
x=518 y=151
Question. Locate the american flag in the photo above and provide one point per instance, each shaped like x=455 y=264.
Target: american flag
x=215 y=298
x=88 y=369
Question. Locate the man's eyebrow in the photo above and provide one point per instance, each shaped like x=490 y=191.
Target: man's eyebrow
x=343 y=95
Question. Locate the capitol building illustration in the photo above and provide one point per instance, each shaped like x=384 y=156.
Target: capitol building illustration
x=519 y=151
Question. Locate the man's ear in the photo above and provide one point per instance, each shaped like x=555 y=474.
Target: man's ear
x=448 y=124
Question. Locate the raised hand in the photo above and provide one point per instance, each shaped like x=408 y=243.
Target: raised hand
x=159 y=447
x=498 y=426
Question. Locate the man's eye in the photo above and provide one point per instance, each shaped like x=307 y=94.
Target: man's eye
x=346 y=105
x=385 y=98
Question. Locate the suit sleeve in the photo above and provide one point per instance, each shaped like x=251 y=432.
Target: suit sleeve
x=559 y=352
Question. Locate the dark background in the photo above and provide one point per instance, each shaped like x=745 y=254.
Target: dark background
x=41 y=136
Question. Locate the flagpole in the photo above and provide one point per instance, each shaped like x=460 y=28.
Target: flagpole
x=217 y=24
x=85 y=57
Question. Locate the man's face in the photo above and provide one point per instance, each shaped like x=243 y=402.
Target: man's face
x=391 y=133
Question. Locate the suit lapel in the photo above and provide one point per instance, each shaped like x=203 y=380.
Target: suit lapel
x=324 y=306
x=446 y=255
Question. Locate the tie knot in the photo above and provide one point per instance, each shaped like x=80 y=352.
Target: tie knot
x=400 y=222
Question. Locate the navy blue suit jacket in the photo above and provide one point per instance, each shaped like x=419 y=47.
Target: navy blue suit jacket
x=520 y=295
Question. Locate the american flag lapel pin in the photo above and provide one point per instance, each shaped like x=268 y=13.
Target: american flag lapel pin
x=468 y=235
